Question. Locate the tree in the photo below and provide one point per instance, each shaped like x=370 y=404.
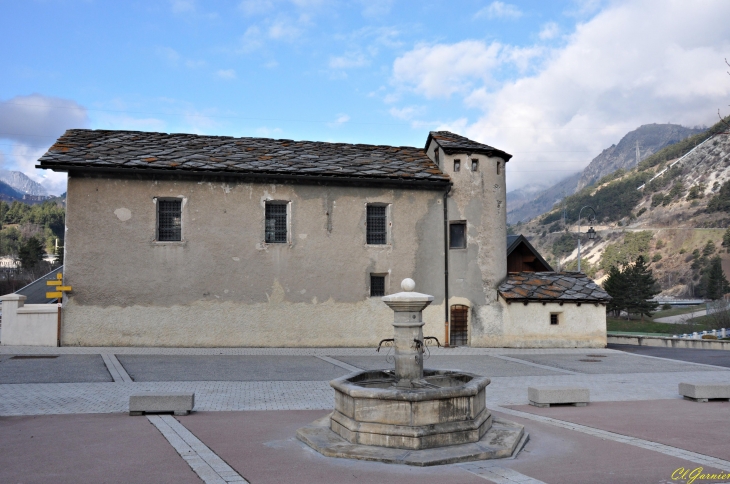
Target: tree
x=642 y=288
x=631 y=289
x=615 y=286
x=717 y=284
x=726 y=239
x=30 y=253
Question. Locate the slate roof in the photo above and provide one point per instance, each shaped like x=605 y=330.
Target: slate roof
x=551 y=286
x=453 y=143
x=83 y=149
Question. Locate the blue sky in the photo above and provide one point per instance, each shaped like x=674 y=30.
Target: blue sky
x=553 y=83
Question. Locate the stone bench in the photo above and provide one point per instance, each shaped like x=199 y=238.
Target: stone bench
x=702 y=392
x=546 y=396
x=157 y=402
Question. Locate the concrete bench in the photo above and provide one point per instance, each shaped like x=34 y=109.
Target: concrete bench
x=546 y=396
x=702 y=392
x=156 y=402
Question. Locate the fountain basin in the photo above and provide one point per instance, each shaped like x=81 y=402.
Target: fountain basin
x=448 y=409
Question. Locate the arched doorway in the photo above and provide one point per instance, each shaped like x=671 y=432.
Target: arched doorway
x=459 y=335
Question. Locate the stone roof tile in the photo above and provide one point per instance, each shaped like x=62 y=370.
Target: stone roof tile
x=79 y=149
x=561 y=286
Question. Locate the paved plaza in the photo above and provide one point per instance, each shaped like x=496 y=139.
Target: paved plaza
x=63 y=415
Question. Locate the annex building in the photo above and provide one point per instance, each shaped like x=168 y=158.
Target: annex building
x=187 y=240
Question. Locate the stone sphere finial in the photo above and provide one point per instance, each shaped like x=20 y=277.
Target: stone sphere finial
x=408 y=284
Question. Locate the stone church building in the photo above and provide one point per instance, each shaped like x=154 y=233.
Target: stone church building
x=187 y=240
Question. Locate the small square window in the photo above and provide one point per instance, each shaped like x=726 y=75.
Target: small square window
x=457 y=165
x=169 y=220
x=377 y=225
x=554 y=319
x=377 y=285
x=457 y=235
x=276 y=223
x=474 y=165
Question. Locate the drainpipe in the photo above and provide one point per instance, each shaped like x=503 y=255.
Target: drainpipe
x=446 y=265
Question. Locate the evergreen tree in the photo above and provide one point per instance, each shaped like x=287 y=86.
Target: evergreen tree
x=716 y=283
x=30 y=253
x=616 y=287
x=641 y=288
x=726 y=239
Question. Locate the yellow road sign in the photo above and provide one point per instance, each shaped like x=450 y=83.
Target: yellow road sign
x=54 y=295
x=63 y=288
x=59 y=276
x=53 y=283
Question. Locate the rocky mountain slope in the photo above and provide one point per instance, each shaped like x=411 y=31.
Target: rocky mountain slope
x=20 y=182
x=651 y=137
x=678 y=220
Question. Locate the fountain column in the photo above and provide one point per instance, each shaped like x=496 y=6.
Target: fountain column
x=408 y=324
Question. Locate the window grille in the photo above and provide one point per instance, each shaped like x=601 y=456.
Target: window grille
x=457 y=165
x=276 y=223
x=169 y=220
x=377 y=285
x=457 y=235
x=377 y=227
x=553 y=319
x=474 y=165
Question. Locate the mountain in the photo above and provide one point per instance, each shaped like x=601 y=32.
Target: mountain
x=8 y=193
x=20 y=182
x=650 y=137
x=673 y=208
x=541 y=201
x=523 y=206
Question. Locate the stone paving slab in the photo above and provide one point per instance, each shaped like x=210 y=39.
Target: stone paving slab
x=87 y=448
x=45 y=399
x=62 y=369
x=677 y=423
x=489 y=366
x=167 y=368
x=366 y=351
x=617 y=363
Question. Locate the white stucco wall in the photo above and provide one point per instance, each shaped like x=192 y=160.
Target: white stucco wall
x=28 y=325
x=528 y=326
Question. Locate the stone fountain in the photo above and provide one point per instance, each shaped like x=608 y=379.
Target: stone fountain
x=410 y=415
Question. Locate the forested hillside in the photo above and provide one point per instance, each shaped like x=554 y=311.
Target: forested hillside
x=676 y=220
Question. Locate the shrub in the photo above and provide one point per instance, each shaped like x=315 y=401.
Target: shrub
x=657 y=257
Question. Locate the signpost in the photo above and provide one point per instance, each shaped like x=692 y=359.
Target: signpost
x=60 y=289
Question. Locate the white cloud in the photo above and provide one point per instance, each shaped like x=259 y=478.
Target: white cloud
x=376 y=8
x=285 y=29
x=182 y=6
x=499 y=10
x=38 y=120
x=256 y=7
x=442 y=70
x=226 y=74
x=268 y=132
x=341 y=119
x=174 y=58
x=613 y=75
x=406 y=113
x=348 y=61
x=251 y=40
x=549 y=31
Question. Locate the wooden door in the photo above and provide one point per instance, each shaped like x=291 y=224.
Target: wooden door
x=459 y=325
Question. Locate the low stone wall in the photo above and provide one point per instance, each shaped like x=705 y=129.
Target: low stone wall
x=699 y=344
x=28 y=325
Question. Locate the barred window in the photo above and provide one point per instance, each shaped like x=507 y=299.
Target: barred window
x=276 y=222
x=377 y=285
x=554 y=318
x=169 y=220
x=377 y=227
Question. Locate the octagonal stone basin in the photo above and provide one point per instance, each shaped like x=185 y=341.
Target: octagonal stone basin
x=446 y=408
